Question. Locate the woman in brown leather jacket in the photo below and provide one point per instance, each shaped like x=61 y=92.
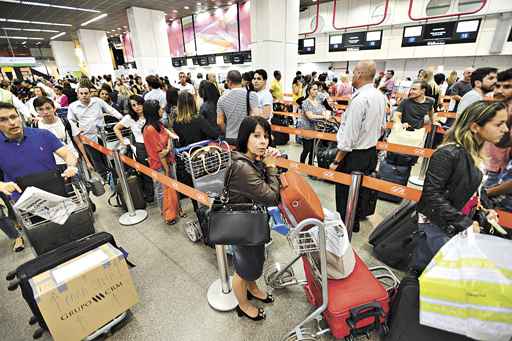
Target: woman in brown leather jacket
x=450 y=192
x=253 y=179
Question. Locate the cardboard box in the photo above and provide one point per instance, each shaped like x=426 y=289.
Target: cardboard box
x=80 y=296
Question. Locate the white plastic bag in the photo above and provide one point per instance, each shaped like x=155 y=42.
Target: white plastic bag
x=340 y=256
x=467 y=287
x=399 y=135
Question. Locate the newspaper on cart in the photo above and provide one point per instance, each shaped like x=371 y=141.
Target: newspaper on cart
x=46 y=205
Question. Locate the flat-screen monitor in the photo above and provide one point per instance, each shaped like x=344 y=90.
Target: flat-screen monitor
x=178 y=62
x=354 y=41
x=452 y=32
x=307 y=46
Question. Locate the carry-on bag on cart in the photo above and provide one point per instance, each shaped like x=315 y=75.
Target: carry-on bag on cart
x=394 y=238
x=357 y=305
x=298 y=199
x=404 y=322
x=23 y=275
x=393 y=173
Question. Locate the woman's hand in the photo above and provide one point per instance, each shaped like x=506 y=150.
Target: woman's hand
x=492 y=215
x=269 y=158
x=163 y=153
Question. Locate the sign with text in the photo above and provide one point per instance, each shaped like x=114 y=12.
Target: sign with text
x=452 y=32
x=355 y=41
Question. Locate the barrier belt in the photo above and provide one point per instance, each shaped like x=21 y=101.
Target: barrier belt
x=404 y=192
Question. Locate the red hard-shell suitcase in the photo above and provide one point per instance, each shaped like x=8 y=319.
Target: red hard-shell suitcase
x=357 y=304
x=298 y=199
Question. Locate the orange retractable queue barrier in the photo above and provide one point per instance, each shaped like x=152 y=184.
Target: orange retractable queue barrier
x=404 y=192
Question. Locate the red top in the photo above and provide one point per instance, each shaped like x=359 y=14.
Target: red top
x=155 y=142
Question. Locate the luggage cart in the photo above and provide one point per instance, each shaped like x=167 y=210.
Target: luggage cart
x=324 y=126
x=110 y=139
x=206 y=162
x=313 y=251
x=37 y=228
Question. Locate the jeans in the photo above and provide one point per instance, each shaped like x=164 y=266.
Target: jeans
x=491 y=179
x=431 y=239
x=159 y=187
x=8 y=223
x=98 y=160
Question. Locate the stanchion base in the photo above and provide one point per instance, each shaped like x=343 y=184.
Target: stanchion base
x=219 y=300
x=128 y=219
x=415 y=180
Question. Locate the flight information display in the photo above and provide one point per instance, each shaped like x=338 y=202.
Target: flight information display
x=453 y=32
x=307 y=46
x=355 y=41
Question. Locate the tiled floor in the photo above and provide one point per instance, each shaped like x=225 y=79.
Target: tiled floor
x=173 y=275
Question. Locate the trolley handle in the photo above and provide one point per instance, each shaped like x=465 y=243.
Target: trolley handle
x=193 y=145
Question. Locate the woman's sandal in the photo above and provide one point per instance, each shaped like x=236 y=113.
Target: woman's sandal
x=261 y=314
x=269 y=299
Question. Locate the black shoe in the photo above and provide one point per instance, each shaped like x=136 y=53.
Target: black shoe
x=269 y=299
x=259 y=317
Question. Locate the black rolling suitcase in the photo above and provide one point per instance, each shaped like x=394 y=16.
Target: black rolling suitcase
x=280 y=139
x=394 y=239
x=22 y=275
x=393 y=173
x=136 y=192
x=404 y=318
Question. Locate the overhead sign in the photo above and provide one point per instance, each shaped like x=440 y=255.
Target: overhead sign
x=17 y=61
x=179 y=62
x=355 y=41
x=453 y=32
x=307 y=46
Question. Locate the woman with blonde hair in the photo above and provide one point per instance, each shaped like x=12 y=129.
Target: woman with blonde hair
x=123 y=98
x=432 y=89
x=345 y=88
x=190 y=128
x=451 y=189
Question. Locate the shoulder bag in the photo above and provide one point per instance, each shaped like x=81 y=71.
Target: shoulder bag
x=243 y=224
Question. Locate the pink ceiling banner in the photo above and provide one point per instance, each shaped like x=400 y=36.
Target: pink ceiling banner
x=188 y=35
x=128 y=48
x=245 y=26
x=175 y=37
x=217 y=31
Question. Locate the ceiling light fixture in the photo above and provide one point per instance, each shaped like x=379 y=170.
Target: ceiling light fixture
x=43 y=4
x=27 y=29
x=34 y=22
x=198 y=4
x=174 y=11
x=101 y=16
x=58 y=35
x=186 y=7
x=20 y=38
x=24 y=42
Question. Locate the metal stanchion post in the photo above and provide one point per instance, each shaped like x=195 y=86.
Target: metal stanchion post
x=133 y=216
x=220 y=295
x=429 y=143
x=353 y=195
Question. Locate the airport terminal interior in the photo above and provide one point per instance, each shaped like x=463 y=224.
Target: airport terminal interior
x=373 y=138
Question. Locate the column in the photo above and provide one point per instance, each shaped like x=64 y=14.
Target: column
x=275 y=31
x=65 y=56
x=148 y=31
x=96 y=53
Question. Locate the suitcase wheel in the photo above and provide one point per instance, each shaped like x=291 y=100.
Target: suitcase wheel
x=10 y=275
x=13 y=285
x=193 y=231
x=270 y=275
x=303 y=334
x=33 y=320
x=38 y=333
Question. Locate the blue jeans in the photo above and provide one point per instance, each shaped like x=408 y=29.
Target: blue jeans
x=8 y=226
x=430 y=240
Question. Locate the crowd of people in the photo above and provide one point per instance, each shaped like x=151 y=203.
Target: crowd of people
x=42 y=121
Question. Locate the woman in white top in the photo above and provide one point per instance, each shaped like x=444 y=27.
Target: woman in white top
x=135 y=121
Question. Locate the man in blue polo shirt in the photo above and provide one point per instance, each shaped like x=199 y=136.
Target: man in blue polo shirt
x=26 y=151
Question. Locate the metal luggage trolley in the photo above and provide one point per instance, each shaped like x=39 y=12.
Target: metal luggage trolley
x=278 y=276
x=324 y=126
x=206 y=162
x=78 y=203
x=110 y=139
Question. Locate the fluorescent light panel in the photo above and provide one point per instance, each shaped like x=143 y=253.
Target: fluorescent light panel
x=20 y=38
x=28 y=29
x=34 y=22
x=101 y=16
x=58 y=35
x=43 y=4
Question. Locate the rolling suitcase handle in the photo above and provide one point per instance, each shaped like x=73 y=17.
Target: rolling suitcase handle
x=357 y=314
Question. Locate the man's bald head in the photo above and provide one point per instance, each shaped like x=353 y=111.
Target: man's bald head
x=467 y=73
x=364 y=72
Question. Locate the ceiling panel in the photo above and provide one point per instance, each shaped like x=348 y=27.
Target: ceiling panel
x=116 y=10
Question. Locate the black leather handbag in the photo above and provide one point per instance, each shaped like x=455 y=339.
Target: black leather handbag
x=237 y=224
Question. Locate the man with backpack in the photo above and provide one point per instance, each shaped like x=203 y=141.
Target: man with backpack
x=63 y=129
